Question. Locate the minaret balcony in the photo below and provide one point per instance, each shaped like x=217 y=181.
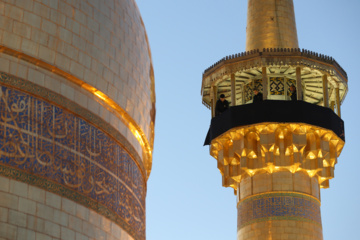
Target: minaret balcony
x=318 y=79
x=278 y=133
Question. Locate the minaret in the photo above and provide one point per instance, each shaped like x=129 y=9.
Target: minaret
x=277 y=153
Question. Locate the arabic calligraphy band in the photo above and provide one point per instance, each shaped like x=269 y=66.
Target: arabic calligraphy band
x=51 y=143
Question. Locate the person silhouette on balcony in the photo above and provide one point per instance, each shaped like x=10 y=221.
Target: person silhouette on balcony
x=293 y=95
x=221 y=105
x=258 y=97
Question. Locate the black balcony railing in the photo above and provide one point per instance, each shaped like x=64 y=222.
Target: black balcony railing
x=275 y=111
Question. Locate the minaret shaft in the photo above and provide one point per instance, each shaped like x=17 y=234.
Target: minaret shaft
x=271 y=24
x=279 y=205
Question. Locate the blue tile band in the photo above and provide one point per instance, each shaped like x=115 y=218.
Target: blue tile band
x=278 y=206
x=47 y=146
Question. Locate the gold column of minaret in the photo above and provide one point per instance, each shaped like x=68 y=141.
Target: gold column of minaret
x=271 y=24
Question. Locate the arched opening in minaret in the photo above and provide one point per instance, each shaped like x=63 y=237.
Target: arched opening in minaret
x=278 y=81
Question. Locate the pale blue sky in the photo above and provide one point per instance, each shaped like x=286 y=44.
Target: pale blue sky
x=185 y=199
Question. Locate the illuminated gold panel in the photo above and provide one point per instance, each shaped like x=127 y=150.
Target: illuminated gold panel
x=273 y=147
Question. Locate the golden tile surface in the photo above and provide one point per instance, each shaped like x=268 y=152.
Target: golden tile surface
x=115 y=60
x=271 y=24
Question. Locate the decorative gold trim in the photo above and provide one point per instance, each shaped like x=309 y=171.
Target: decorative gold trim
x=123 y=115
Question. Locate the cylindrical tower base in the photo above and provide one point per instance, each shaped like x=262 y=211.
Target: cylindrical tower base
x=279 y=205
